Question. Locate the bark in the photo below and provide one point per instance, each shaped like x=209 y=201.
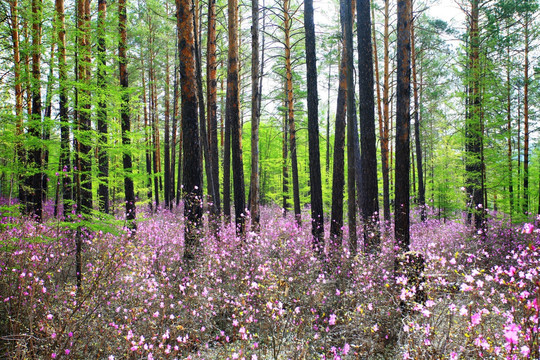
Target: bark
x=65 y=163
x=147 y=141
x=290 y=111
x=125 y=117
x=369 y=189
x=212 y=192
x=174 y=126
x=167 y=129
x=211 y=98
x=285 y=153
x=403 y=92
x=19 y=151
x=347 y=20
x=192 y=166
x=474 y=165
x=317 y=220
x=526 y=120
x=509 y=134
x=233 y=117
x=386 y=116
x=103 y=188
x=418 y=145
x=338 y=177
x=84 y=140
x=35 y=205
x=255 y=117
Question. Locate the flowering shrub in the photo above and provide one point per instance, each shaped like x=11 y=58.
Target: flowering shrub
x=264 y=296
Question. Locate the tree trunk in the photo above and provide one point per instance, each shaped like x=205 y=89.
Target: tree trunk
x=474 y=165
x=526 y=120
x=192 y=165
x=317 y=220
x=84 y=140
x=212 y=192
x=19 y=150
x=285 y=153
x=167 y=137
x=346 y=16
x=125 y=117
x=233 y=116
x=509 y=132
x=65 y=162
x=147 y=141
x=255 y=117
x=211 y=98
x=385 y=138
x=103 y=188
x=403 y=92
x=290 y=110
x=35 y=207
x=338 y=178
x=418 y=146
x=370 y=192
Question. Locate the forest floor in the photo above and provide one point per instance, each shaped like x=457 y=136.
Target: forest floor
x=265 y=296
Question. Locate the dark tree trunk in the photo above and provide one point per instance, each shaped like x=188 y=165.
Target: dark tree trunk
x=403 y=120
x=473 y=134
x=285 y=157
x=35 y=203
x=84 y=140
x=290 y=111
x=192 y=164
x=317 y=220
x=526 y=119
x=233 y=117
x=338 y=178
x=255 y=117
x=418 y=144
x=167 y=129
x=347 y=15
x=65 y=163
x=386 y=117
x=211 y=98
x=212 y=192
x=370 y=193
x=174 y=127
x=125 y=117
x=103 y=188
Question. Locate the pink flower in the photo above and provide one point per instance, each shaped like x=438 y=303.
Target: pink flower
x=346 y=349
x=67 y=351
x=511 y=333
x=525 y=351
x=527 y=228
x=475 y=319
x=332 y=320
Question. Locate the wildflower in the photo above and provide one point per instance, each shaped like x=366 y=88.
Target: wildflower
x=511 y=333
x=527 y=228
x=332 y=320
x=525 y=351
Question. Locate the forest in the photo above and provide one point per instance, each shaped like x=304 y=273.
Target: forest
x=285 y=179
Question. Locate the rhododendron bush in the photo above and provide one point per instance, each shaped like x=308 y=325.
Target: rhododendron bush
x=265 y=295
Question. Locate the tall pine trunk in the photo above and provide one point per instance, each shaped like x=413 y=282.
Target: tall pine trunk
x=35 y=204
x=125 y=117
x=255 y=117
x=233 y=117
x=65 y=163
x=290 y=110
x=211 y=99
x=192 y=163
x=418 y=144
x=103 y=188
x=403 y=120
x=369 y=189
x=317 y=219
